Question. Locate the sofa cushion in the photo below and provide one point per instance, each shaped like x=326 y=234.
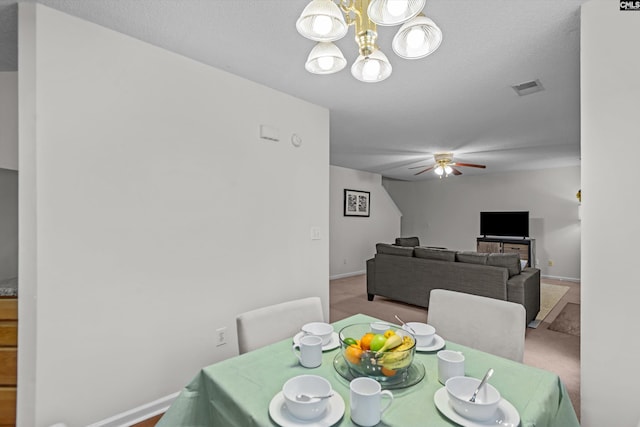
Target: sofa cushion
x=408 y=241
x=431 y=253
x=472 y=257
x=510 y=261
x=387 y=249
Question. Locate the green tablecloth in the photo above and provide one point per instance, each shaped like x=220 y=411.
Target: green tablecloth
x=237 y=391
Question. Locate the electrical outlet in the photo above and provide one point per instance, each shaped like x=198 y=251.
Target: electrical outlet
x=550 y=263
x=221 y=336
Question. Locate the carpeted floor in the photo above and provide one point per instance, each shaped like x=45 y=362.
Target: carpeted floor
x=568 y=321
x=550 y=296
x=544 y=348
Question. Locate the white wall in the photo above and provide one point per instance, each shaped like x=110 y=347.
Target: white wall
x=9 y=120
x=8 y=224
x=446 y=212
x=353 y=239
x=152 y=215
x=610 y=94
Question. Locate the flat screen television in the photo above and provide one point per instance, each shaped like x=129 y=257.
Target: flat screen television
x=512 y=224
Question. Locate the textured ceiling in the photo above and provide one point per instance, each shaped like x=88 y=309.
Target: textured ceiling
x=458 y=99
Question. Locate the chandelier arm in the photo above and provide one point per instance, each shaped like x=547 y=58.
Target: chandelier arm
x=348 y=7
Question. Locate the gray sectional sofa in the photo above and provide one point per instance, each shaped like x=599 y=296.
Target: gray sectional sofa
x=407 y=274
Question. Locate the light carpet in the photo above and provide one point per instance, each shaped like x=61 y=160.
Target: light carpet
x=550 y=295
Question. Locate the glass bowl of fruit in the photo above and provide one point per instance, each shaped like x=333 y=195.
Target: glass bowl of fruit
x=384 y=357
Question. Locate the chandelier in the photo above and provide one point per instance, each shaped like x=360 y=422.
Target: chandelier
x=326 y=21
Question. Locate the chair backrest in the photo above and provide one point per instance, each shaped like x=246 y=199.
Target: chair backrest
x=491 y=325
x=266 y=325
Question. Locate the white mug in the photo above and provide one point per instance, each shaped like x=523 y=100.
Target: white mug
x=366 y=400
x=450 y=364
x=310 y=351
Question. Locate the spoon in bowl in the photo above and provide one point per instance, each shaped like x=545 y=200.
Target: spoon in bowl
x=305 y=397
x=404 y=324
x=484 y=380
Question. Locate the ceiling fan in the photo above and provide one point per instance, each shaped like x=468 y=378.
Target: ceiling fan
x=445 y=165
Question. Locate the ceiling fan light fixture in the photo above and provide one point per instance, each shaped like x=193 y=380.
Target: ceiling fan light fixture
x=372 y=68
x=325 y=58
x=394 y=12
x=323 y=21
x=417 y=38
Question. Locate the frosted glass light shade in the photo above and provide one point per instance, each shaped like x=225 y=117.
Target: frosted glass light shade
x=325 y=58
x=394 y=12
x=439 y=170
x=371 y=69
x=323 y=21
x=417 y=38
x=447 y=169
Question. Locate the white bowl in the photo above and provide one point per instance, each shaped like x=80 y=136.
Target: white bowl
x=380 y=327
x=320 y=329
x=312 y=385
x=460 y=390
x=424 y=333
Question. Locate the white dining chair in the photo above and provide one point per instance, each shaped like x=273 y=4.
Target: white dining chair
x=266 y=325
x=487 y=324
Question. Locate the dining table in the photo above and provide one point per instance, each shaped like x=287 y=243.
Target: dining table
x=239 y=391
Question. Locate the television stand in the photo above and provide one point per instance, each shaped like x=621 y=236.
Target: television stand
x=524 y=246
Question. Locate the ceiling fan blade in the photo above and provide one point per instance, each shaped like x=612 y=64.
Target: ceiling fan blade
x=418 y=167
x=471 y=165
x=424 y=170
x=456 y=171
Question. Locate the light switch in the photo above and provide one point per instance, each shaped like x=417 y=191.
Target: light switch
x=315 y=233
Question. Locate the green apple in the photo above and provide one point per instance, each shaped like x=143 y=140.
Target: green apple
x=377 y=342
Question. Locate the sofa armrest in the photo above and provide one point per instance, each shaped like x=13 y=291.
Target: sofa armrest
x=371 y=278
x=524 y=288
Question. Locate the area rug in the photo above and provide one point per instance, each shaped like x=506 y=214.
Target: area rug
x=568 y=321
x=550 y=295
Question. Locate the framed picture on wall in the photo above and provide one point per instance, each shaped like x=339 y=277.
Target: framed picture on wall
x=356 y=203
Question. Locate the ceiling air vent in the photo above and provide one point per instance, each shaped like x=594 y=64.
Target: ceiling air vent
x=528 y=88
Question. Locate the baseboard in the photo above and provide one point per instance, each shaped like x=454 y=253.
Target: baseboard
x=139 y=414
x=342 y=276
x=568 y=279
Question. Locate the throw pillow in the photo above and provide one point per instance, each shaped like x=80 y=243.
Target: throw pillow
x=408 y=241
x=438 y=254
x=509 y=261
x=472 y=257
x=387 y=249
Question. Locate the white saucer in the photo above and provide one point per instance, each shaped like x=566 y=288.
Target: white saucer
x=281 y=416
x=506 y=415
x=333 y=343
x=436 y=344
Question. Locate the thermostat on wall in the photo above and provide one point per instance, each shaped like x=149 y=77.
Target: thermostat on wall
x=296 y=140
x=270 y=133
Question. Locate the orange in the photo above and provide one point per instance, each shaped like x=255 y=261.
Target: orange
x=365 y=341
x=352 y=354
x=387 y=372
